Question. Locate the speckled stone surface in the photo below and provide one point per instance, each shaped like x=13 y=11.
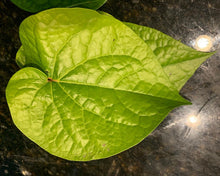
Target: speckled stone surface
x=180 y=146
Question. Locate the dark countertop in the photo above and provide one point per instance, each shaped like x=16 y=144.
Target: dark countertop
x=181 y=146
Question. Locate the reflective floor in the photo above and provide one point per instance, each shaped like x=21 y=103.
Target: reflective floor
x=187 y=143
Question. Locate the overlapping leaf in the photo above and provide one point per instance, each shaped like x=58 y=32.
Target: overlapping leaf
x=39 y=5
x=91 y=88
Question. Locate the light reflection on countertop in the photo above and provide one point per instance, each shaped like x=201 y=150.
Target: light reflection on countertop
x=193 y=121
x=206 y=43
x=203 y=43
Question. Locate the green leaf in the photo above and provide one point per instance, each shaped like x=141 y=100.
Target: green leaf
x=91 y=88
x=40 y=5
x=178 y=60
x=20 y=57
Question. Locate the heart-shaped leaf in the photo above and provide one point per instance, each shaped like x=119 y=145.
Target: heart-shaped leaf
x=39 y=5
x=91 y=88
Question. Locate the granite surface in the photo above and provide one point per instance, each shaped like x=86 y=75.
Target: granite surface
x=187 y=143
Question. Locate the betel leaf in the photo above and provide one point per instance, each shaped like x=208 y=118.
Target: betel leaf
x=40 y=5
x=90 y=88
x=178 y=60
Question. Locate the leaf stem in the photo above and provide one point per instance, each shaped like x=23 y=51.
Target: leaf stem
x=52 y=80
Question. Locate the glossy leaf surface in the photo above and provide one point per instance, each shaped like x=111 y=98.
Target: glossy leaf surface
x=91 y=88
x=40 y=5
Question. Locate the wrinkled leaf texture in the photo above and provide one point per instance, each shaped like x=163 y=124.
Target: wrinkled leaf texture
x=40 y=5
x=91 y=88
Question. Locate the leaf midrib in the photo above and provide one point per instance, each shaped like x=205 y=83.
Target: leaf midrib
x=116 y=89
x=182 y=61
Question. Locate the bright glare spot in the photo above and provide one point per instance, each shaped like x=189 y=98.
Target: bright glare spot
x=193 y=119
x=203 y=43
